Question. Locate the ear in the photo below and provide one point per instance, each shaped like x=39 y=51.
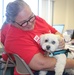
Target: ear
x=41 y=39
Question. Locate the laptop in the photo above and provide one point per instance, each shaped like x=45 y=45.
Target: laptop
x=59 y=27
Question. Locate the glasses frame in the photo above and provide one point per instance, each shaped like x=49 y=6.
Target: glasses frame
x=26 y=21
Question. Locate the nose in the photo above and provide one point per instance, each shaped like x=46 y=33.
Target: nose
x=47 y=47
x=30 y=23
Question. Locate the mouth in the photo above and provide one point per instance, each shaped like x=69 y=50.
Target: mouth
x=50 y=51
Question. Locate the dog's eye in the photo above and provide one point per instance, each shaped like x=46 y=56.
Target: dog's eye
x=46 y=40
x=53 y=42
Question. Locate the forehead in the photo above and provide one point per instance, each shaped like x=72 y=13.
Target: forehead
x=50 y=37
x=23 y=14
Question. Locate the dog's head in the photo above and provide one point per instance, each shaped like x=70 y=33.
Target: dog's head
x=49 y=42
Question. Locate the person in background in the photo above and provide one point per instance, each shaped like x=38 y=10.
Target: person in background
x=72 y=35
x=23 y=38
x=72 y=38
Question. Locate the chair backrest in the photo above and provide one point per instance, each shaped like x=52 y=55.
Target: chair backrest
x=21 y=66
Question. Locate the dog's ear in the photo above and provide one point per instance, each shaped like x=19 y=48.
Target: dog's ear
x=41 y=39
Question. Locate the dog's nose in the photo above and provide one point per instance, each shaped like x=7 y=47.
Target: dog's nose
x=47 y=47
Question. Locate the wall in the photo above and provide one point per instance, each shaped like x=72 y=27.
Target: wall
x=64 y=13
x=44 y=10
x=70 y=15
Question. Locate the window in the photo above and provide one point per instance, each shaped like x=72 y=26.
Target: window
x=34 y=5
x=1 y=13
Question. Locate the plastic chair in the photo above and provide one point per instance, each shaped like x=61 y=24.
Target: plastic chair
x=21 y=66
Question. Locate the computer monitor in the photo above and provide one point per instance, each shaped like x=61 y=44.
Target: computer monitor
x=59 y=27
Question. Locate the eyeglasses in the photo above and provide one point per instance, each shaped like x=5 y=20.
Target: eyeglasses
x=25 y=22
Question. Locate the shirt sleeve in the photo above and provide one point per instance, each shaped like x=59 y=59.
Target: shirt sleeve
x=4 y=32
x=50 y=27
x=24 y=46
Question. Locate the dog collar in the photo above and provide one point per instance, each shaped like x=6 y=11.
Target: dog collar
x=63 y=51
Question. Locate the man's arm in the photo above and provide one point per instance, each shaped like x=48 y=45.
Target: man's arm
x=57 y=33
x=40 y=62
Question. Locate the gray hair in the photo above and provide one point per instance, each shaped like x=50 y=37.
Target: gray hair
x=13 y=8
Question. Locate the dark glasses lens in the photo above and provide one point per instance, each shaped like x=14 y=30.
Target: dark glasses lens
x=30 y=20
x=26 y=21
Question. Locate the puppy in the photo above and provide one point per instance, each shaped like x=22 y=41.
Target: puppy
x=50 y=43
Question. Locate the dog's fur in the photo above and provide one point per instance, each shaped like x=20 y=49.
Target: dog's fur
x=50 y=43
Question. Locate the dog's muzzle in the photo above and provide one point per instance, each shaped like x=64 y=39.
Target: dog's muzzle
x=47 y=47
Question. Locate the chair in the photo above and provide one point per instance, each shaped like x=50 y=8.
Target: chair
x=21 y=66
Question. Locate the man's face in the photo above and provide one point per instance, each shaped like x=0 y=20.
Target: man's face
x=25 y=19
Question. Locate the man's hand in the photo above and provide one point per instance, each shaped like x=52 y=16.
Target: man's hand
x=61 y=43
x=61 y=40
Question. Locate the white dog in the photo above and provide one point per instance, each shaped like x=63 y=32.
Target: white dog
x=50 y=43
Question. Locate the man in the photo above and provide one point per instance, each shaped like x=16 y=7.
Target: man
x=23 y=37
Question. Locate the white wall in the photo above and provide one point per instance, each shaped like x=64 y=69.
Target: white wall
x=45 y=11
x=64 y=13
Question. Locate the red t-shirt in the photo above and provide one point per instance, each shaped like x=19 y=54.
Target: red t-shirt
x=26 y=43
x=4 y=32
